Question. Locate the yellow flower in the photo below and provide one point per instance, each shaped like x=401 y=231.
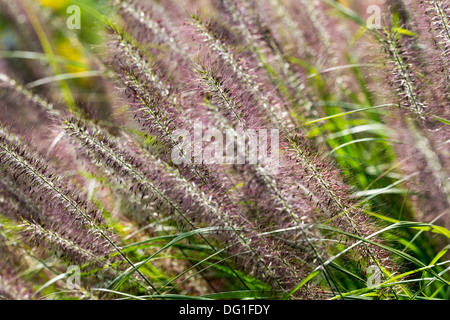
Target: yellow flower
x=345 y=3
x=55 y=4
x=74 y=52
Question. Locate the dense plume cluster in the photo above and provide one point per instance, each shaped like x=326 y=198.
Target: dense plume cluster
x=419 y=74
x=242 y=67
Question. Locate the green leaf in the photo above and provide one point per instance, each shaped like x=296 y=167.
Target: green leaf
x=302 y=283
x=51 y=281
x=125 y=275
x=405 y=32
x=347 y=113
x=347 y=12
x=441 y=120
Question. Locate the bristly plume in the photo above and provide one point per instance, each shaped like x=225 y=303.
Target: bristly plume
x=403 y=77
x=439 y=13
x=230 y=147
x=27 y=169
x=75 y=245
x=192 y=204
x=12 y=287
x=418 y=72
x=30 y=97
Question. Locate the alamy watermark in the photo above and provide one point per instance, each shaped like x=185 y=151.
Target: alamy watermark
x=74 y=20
x=74 y=278
x=374 y=276
x=372 y=272
x=374 y=21
x=232 y=147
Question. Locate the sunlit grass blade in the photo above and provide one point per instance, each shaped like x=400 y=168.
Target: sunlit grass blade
x=346 y=113
x=116 y=283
